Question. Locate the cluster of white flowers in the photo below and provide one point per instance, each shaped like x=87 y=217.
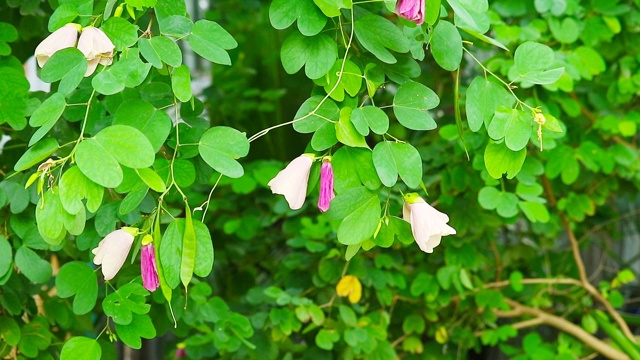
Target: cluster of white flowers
x=94 y=44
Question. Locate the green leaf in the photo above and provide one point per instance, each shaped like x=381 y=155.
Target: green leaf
x=149 y=53
x=484 y=38
x=351 y=80
x=483 y=99
x=317 y=54
x=121 y=32
x=9 y=331
x=514 y=125
x=36 y=154
x=80 y=347
x=506 y=204
x=176 y=26
x=566 y=32
x=152 y=179
x=411 y=103
x=314 y=119
x=346 y=133
x=163 y=48
x=360 y=210
x=46 y=116
x=393 y=158
x=79 y=279
x=154 y=124
x=14 y=89
x=75 y=186
x=7 y=255
x=50 y=216
x=33 y=267
x=345 y=160
x=106 y=83
x=141 y=4
x=331 y=8
x=531 y=61
x=499 y=159
x=370 y=117
x=326 y=338
x=324 y=137
x=464 y=14
x=133 y=199
x=181 y=83
x=140 y=327
x=378 y=34
x=125 y=302
x=63 y=15
x=534 y=211
x=130 y=71
x=98 y=164
x=210 y=40
x=68 y=65
x=127 y=145
x=283 y=13
x=220 y=146
x=446 y=46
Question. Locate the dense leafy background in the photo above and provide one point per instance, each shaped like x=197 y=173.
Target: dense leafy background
x=509 y=279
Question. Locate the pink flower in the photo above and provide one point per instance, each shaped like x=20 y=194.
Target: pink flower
x=148 y=267
x=63 y=38
x=113 y=250
x=412 y=10
x=428 y=225
x=96 y=47
x=292 y=181
x=326 y=185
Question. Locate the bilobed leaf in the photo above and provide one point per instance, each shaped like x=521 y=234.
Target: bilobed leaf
x=283 y=13
x=130 y=71
x=446 y=46
x=411 y=103
x=63 y=15
x=331 y=8
x=210 y=40
x=463 y=13
x=370 y=117
x=14 y=89
x=124 y=303
x=36 y=154
x=393 y=158
x=152 y=179
x=483 y=98
x=531 y=61
x=10 y=330
x=317 y=54
x=380 y=35
x=350 y=81
x=181 y=83
x=346 y=132
x=75 y=186
x=121 y=32
x=68 y=65
x=77 y=278
x=127 y=145
x=106 y=83
x=324 y=137
x=154 y=124
x=360 y=209
x=514 y=125
x=140 y=327
x=34 y=268
x=314 y=120
x=80 y=347
x=177 y=26
x=133 y=199
x=499 y=159
x=345 y=160
x=98 y=164
x=220 y=146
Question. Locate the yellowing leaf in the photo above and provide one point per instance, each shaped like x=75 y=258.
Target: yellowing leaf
x=349 y=286
x=442 y=336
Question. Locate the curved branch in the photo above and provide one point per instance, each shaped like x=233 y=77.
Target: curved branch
x=559 y=323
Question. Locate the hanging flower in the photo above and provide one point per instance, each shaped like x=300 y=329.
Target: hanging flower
x=292 y=181
x=326 y=185
x=412 y=10
x=428 y=225
x=63 y=38
x=96 y=47
x=112 y=251
x=148 y=267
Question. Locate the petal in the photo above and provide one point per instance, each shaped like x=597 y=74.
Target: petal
x=420 y=226
x=292 y=181
x=94 y=42
x=112 y=252
x=91 y=68
x=63 y=38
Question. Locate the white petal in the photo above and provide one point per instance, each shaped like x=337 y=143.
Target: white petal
x=63 y=38
x=292 y=181
x=112 y=252
x=94 y=43
x=91 y=67
x=420 y=226
x=428 y=225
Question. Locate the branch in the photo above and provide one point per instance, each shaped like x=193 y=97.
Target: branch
x=556 y=281
x=541 y=317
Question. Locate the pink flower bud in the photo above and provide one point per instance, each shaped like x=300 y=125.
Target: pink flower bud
x=292 y=181
x=326 y=185
x=412 y=10
x=113 y=250
x=148 y=268
x=96 y=47
x=63 y=38
x=428 y=225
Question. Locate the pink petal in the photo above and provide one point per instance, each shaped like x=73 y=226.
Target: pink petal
x=326 y=186
x=148 y=268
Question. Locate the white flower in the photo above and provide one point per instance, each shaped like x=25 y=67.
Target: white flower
x=96 y=47
x=113 y=250
x=63 y=38
x=428 y=225
x=292 y=181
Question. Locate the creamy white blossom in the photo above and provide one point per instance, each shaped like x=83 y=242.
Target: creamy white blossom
x=96 y=47
x=428 y=225
x=292 y=181
x=63 y=38
x=113 y=250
